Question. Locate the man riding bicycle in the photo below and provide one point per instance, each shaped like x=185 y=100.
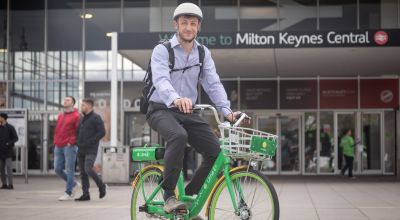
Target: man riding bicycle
x=170 y=111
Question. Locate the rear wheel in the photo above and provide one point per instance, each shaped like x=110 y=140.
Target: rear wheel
x=255 y=198
x=142 y=190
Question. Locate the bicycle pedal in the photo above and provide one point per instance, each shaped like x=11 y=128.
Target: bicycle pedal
x=143 y=208
x=179 y=212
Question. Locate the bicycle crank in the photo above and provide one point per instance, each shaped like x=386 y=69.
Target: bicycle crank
x=179 y=214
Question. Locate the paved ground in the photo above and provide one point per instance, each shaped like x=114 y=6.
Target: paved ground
x=305 y=198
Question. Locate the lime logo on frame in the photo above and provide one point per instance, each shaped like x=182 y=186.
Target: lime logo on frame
x=264 y=144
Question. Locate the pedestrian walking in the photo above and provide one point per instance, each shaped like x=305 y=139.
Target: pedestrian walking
x=65 y=148
x=347 y=144
x=90 y=131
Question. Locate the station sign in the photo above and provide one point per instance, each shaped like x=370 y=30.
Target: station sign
x=273 y=39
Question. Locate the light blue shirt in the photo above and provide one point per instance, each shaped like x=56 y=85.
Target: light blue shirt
x=179 y=84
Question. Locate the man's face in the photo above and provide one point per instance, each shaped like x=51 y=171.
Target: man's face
x=68 y=102
x=187 y=27
x=2 y=120
x=85 y=107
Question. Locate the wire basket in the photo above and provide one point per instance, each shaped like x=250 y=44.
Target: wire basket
x=247 y=143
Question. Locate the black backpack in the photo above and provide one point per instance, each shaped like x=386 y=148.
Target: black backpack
x=149 y=89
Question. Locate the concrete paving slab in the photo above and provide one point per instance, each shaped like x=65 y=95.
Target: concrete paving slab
x=301 y=197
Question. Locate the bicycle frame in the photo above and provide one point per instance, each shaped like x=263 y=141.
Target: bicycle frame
x=222 y=163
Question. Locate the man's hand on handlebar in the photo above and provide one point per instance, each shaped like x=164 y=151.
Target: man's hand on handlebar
x=184 y=104
x=235 y=116
x=232 y=117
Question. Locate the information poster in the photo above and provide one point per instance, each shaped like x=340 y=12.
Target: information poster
x=379 y=93
x=258 y=94
x=338 y=94
x=298 y=94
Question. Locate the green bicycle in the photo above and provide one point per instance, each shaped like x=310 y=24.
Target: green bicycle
x=230 y=193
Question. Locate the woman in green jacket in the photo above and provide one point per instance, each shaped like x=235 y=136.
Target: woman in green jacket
x=347 y=145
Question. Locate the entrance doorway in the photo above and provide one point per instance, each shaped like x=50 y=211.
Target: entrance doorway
x=367 y=128
x=288 y=128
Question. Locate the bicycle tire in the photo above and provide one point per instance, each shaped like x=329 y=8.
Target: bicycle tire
x=221 y=206
x=151 y=178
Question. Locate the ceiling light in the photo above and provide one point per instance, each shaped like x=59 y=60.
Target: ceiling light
x=87 y=16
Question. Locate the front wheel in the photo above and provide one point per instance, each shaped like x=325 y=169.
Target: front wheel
x=142 y=190
x=255 y=198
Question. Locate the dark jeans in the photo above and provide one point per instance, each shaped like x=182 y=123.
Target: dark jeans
x=178 y=129
x=6 y=171
x=86 y=163
x=349 y=165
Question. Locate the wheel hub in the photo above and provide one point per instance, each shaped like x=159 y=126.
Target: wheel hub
x=245 y=213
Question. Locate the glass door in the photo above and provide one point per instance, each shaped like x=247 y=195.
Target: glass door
x=290 y=140
x=136 y=129
x=371 y=143
x=268 y=124
x=35 y=143
x=344 y=122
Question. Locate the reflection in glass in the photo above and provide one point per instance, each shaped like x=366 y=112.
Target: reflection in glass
x=297 y=15
x=137 y=131
x=259 y=15
x=326 y=154
x=106 y=17
x=137 y=16
x=370 y=14
x=99 y=65
x=35 y=142
x=290 y=143
x=390 y=144
x=268 y=124
x=345 y=122
x=64 y=22
x=220 y=16
x=50 y=147
x=27 y=25
x=389 y=13
x=27 y=95
x=371 y=141
x=338 y=14
x=310 y=148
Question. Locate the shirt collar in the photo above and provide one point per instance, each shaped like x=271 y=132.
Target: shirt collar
x=174 y=41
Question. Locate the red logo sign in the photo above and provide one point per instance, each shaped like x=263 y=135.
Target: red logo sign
x=381 y=38
x=386 y=96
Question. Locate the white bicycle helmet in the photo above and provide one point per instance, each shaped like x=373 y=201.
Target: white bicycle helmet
x=188 y=9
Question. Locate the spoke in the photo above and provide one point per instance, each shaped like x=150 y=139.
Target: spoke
x=225 y=210
x=252 y=201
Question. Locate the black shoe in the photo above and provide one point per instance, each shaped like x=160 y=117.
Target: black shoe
x=84 y=197
x=4 y=187
x=103 y=191
x=10 y=187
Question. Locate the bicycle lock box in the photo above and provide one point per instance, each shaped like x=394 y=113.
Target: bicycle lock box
x=148 y=153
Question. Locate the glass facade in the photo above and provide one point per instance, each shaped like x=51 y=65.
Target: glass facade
x=53 y=47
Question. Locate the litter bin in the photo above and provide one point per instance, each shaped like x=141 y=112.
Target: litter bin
x=115 y=164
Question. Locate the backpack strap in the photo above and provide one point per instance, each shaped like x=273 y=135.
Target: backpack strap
x=202 y=54
x=171 y=62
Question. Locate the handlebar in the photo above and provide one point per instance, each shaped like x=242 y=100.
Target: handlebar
x=202 y=107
